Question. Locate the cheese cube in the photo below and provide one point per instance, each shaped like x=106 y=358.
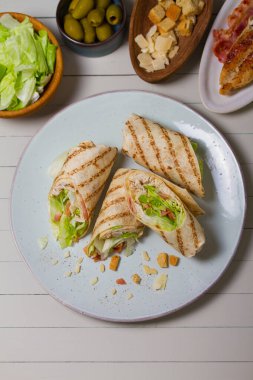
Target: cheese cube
x=173 y=52
x=141 y=41
x=185 y=27
x=156 y=14
x=189 y=7
x=173 y=12
x=163 y=44
x=166 y=25
x=151 y=32
x=144 y=59
x=159 y=63
x=166 y=3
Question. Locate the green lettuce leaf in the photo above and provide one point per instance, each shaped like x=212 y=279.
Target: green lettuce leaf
x=153 y=205
x=27 y=61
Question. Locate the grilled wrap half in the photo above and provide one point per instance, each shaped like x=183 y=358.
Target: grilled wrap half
x=154 y=204
x=115 y=228
x=77 y=188
x=165 y=152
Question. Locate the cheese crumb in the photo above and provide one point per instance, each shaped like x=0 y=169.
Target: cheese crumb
x=78 y=268
x=54 y=262
x=102 y=268
x=149 y=270
x=80 y=260
x=114 y=291
x=66 y=255
x=43 y=242
x=145 y=256
x=94 y=281
x=68 y=274
x=129 y=296
x=136 y=278
x=160 y=282
x=163 y=260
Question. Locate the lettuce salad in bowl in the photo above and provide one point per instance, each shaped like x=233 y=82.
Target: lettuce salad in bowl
x=30 y=64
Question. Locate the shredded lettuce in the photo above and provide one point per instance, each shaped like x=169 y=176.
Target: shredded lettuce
x=154 y=206
x=66 y=229
x=195 y=147
x=27 y=61
x=105 y=246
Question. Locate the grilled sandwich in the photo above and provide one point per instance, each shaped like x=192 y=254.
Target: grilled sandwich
x=77 y=188
x=115 y=229
x=165 y=152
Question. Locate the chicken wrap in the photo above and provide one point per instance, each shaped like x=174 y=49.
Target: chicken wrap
x=116 y=228
x=165 y=152
x=76 y=190
x=154 y=204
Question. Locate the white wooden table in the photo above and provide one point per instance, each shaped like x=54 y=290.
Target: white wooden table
x=41 y=339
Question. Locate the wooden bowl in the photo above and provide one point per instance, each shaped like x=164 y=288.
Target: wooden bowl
x=55 y=80
x=140 y=24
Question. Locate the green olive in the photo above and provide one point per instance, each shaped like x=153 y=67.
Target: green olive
x=96 y=17
x=103 y=3
x=82 y=8
x=104 y=31
x=114 y=14
x=89 y=31
x=73 y=28
x=72 y=5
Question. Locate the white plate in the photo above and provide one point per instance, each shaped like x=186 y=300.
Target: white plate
x=210 y=68
x=101 y=119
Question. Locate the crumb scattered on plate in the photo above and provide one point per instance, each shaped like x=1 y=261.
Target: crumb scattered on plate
x=94 y=281
x=163 y=260
x=136 y=278
x=160 y=282
x=68 y=274
x=54 y=261
x=80 y=260
x=114 y=291
x=129 y=296
x=114 y=263
x=120 y=281
x=43 y=242
x=149 y=270
x=78 y=268
x=67 y=254
x=145 y=256
x=174 y=260
x=102 y=268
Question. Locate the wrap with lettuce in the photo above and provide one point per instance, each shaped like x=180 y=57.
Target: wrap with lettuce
x=165 y=152
x=76 y=190
x=152 y=201
x=115 y=228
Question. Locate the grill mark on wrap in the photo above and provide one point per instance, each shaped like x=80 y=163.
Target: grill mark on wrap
x=91 y=162
x=82 y=147
x=194 y=232
x=173 y=154
x=98 y=189
x=180 y=242
x=97 y=175
x=191 y=159
x=153 y=146
x=121 y=174
x=114 y=189
x=110 y=218
x=111 y=203
x=137 y=145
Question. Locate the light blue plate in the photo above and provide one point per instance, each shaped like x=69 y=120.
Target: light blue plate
x=101 y=119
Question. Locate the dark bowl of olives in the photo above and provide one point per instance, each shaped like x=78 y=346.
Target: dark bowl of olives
x=92 y=28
